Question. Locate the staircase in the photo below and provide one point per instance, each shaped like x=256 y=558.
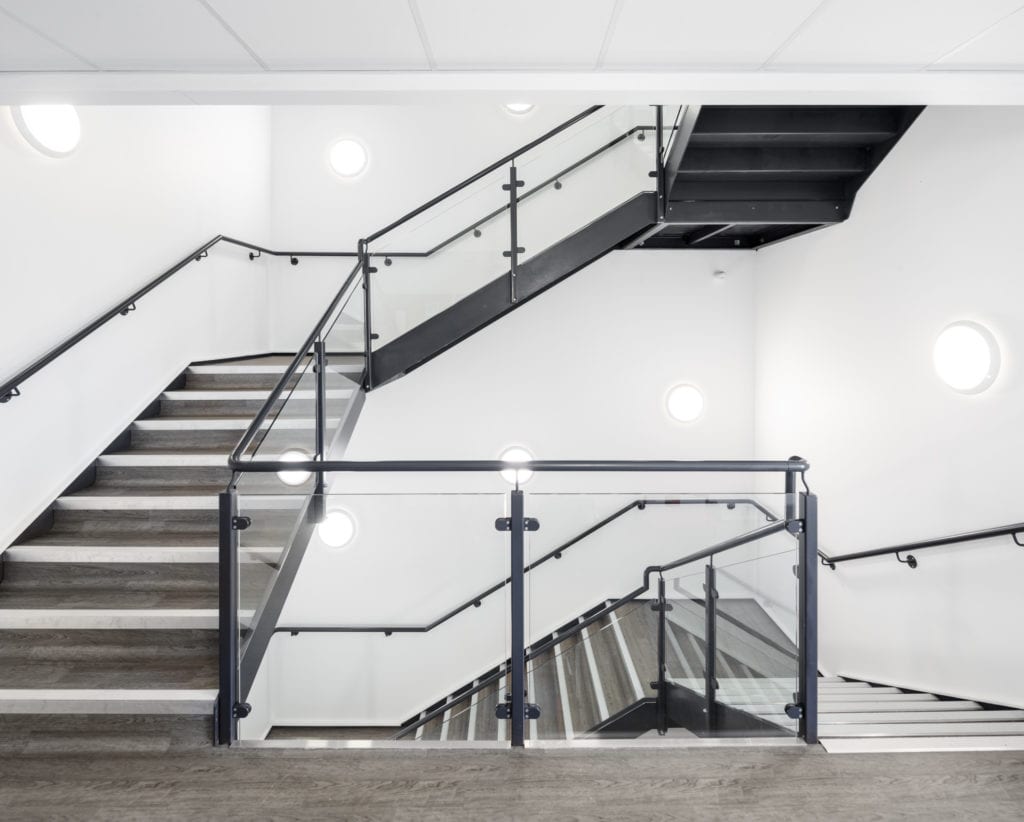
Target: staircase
x=108 y=604
x=597 y=682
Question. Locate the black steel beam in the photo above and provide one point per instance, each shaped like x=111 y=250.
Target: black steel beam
x=719 y=212
x=535 y=275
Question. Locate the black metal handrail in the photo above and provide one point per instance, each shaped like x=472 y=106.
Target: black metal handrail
x=508 y=158
x=10 y=388
x=1013 y=530
x=555 y=553
x=559 y=637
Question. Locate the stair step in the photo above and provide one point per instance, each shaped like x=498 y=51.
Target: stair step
x=75 y=554
x=107 y=701
x=189 y=395
x=113 y=618
x=144 y=501
x=922 y=729
x=35 y=734
x=902 y=717
x=933 y=705
x=184 y=423
x=142 y=459
x=923 y=745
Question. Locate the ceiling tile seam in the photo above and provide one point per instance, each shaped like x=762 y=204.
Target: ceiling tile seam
x=795 y=33
x=609 y=31
x=47 y=37
x=237 y=37
x=975 y=38
x=421 y=30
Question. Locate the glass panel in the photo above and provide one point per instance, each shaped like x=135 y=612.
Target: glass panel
x=409 y=578
x=440 y=256
x=583 y=174
x=756 y=629
x=592 y=549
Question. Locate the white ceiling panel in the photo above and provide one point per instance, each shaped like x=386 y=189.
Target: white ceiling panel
x=531 y=34
x=145 y=35
x=21 y=49
x=1001 y=47
x=327 y=34
x=718 y=34
x=888 y=34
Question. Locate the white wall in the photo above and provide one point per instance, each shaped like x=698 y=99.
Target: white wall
x=145 y=187
x=579 y=373
x=846 y=320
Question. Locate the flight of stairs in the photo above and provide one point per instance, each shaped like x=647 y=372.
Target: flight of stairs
x=108 y=603
x=597 y=676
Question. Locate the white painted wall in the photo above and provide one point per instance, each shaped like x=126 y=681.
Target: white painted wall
x=145 y=186
x=846 y=320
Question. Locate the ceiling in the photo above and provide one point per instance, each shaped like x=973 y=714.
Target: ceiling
x=602 y=37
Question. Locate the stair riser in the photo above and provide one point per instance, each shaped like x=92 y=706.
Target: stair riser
x=165 y=527
x=230 y=408
x=241 y=382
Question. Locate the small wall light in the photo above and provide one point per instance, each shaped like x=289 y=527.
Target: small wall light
x=53 y=130
x=337 y=529
x=514 y=455
x=966 y=357
x=518 y=108
x=294 y=477
x=684 y=403
x=348 y=157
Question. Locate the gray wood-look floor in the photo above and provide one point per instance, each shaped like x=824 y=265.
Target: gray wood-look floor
x=750 y=784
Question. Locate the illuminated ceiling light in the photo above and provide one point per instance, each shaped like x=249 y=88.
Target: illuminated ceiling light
x=518 y=108
x=294 y=477
x=348 y=158
x=54 y=130
x=966 y=357
x=514 y=456
x=684 y=403
x=337 y=529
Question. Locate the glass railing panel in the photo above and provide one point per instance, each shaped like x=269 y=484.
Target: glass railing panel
x=686 y=645
x=439 y=257
x=471 y=719
x=594 y=682
x=570 y=182
x=756 y=632
x=407 y=576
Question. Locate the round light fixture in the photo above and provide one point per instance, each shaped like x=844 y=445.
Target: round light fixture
x=518 y=108
x=348 y=158
x=53 y=130
x=294 y=477
x=966 y=357
x=685 y=403
x=337 y=529
x=514 y=456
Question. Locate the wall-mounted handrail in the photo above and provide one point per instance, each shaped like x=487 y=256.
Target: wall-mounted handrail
x=10 y=388
x=554 y=553
x=1013 y=530
x=508 y=158
x=559 y=637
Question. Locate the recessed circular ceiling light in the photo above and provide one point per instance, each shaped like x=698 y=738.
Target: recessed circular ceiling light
x=514 y=455
x=53 y=130
x=348 y=157
x=684 y=403
x=337 y=529
x=966 y=357
x=518 y=108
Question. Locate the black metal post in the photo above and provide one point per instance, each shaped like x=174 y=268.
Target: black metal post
x=662 y=683
x=659 y=161
x=513 y=186
x=808 y=627
x=710 y=646
x=320 y=365
x=517 y=706
x=364 y=261
x=227 y=723
x=790 y=501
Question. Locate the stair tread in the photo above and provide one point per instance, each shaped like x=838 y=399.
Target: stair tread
x=922 y=729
